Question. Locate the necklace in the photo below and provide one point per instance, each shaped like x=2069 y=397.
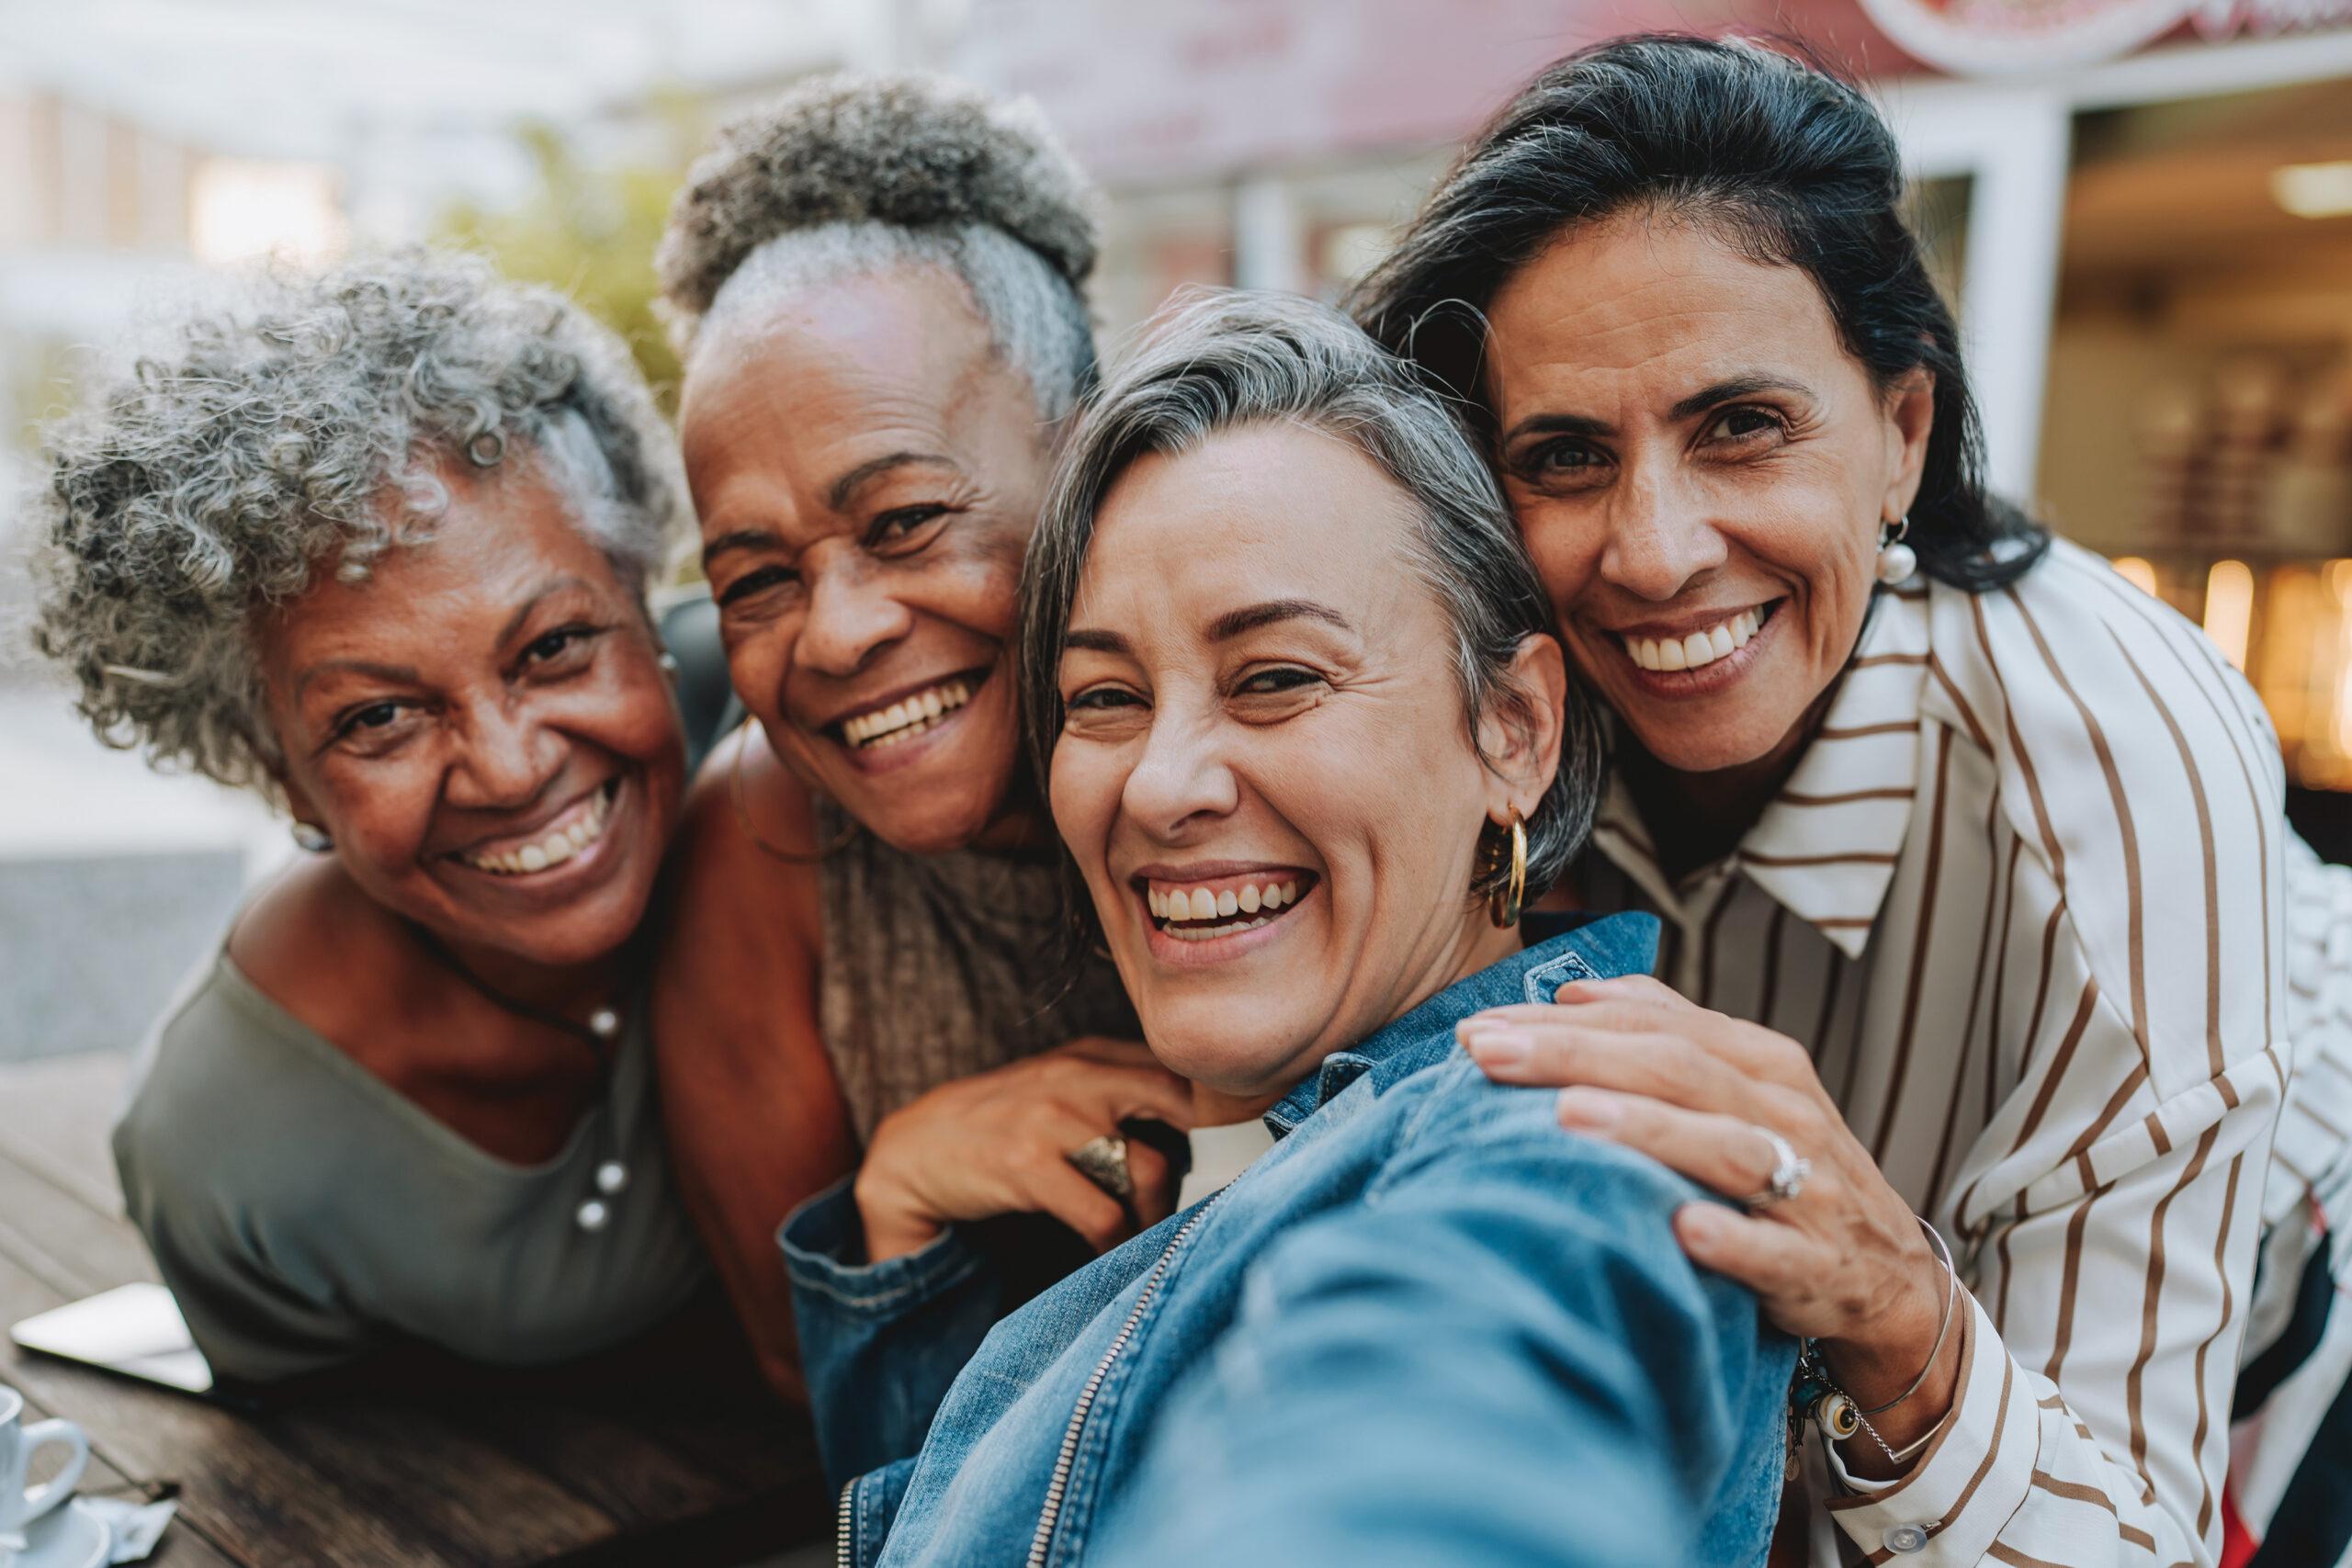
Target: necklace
x=603 y=1028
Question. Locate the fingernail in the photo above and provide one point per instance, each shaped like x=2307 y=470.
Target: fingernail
x=1496 y=1046
x=1700 y=1221
x=1588 y=1107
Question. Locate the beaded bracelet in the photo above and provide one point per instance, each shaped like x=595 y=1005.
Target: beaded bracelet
x=1834 y=1410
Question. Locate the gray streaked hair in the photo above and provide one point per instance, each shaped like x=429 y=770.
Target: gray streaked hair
x=849 y=175
x=299 y=430
x=1222 y=359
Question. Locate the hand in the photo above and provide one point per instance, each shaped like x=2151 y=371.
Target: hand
x=993 y=1143
x=1844 y=1262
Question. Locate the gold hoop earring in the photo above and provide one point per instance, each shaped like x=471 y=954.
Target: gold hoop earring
x=1503 y=903
x=743 y=813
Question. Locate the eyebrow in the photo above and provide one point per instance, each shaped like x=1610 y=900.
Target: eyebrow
x=843 y=489
x=1250 y=617
x=554 y=586
x=1224 y=628
x=741 y=539
x=1728 y=390
x=396 y=674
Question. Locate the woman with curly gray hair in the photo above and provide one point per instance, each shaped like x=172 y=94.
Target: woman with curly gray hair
x=876 y=286
x=376 y=544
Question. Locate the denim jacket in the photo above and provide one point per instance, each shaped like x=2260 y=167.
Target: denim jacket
x=1429 y=1326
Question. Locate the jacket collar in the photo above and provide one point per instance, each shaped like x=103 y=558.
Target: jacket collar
x=1826 y=846
x=1600 y=948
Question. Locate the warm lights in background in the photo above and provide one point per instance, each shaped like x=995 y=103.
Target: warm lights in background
x=2314 y=190
x=242 y=209
x=2136 y=572
x=2229 y=608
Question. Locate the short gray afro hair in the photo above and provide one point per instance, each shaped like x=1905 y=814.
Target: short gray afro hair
x=299 y=430
x=1220 y=359
x=850 y=174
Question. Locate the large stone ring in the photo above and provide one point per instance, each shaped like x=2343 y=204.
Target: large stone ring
x=1789 y=1171
x=1103 y=1161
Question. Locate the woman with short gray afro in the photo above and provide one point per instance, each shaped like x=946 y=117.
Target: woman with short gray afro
x=376 y=543
x=851 y=173
x=876 y=286
x=297 y=431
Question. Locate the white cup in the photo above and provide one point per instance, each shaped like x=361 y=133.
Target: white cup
x=19 y=1506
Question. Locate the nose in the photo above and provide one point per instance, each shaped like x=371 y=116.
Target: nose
x=852 y=616
x=511 y=757
x=1181 y=782
x=1659 y=539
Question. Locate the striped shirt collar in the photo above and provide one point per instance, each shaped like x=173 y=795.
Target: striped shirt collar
x=1825 y=848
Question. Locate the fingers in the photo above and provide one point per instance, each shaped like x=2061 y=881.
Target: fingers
x=1557 y=1051
x=1154 y=1186
x=1777 y=1262
x=1110 y=1095
x=1061 y=1188
x=1640 y=1006
x=1725 y=1154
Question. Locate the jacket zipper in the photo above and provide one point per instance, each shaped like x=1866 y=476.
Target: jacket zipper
x=1043 y=1543
x=842 y=1542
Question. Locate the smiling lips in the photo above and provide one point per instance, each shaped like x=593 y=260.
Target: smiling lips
x=1204 y=912
x=907 y=718
x=1701 y=647
x=580 y=825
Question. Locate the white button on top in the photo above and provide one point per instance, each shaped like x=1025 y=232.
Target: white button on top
x=1907 y=1540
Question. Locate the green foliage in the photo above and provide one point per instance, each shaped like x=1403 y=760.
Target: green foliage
x=590 y=231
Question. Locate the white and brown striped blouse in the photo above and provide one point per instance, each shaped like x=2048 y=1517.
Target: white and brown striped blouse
x=2022 y=898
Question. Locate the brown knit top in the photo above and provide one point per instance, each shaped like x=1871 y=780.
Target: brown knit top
x=938 y=966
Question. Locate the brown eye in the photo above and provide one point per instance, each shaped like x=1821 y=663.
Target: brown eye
x=1273 y=683
x=754 y=582
x=1738 y=424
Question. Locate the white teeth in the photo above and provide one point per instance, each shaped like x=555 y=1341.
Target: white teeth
x=907 y=718
x=558 y=845
x=1699 y=649
x=1232 y=908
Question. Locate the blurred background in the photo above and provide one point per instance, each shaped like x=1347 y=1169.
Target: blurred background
x=2142 y=208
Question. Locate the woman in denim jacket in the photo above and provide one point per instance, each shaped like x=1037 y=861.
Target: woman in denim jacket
x=1310 y=746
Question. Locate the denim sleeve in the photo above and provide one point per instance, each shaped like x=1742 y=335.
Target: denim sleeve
x=881 y=1343
x=1500 y=1356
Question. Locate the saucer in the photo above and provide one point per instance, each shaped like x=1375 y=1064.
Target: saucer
x=72 y=1537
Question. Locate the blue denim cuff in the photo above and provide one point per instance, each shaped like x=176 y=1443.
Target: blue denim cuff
x=824 y=1252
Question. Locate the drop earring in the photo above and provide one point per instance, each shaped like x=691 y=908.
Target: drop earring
x=314 y=838
x=1896 y=560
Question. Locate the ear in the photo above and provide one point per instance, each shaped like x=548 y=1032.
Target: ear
x=1910 y=419
x=1520 y=731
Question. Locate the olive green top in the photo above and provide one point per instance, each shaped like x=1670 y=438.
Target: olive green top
x=304 y=1211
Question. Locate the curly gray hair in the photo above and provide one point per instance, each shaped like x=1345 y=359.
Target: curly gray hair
x=847 y=175
x=1223 y=358
x=299 y=430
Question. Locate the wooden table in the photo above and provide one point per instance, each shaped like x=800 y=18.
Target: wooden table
x=534 y=1478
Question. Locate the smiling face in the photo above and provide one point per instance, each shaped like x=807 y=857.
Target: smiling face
x=867 y=470
x=482 y=725
x=1264 y=773
x=1699 y=470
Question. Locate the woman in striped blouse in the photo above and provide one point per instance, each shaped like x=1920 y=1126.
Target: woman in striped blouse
x=1971 y=856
